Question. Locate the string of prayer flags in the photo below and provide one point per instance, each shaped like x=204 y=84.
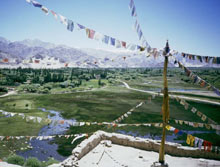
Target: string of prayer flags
x=195 y=111
x=137 y=27
x=27 y=118
x=195 y=141
x=125 y=115
x=198 y=125
x=92 y=34
x=132 y=8
x=7 y=138
x=197 y=79
x=202 y=59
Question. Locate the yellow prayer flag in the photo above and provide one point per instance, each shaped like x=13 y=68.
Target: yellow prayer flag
x=168 y=127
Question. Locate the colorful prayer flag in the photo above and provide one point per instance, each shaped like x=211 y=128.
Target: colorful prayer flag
x=63 y=20
x=90 y=33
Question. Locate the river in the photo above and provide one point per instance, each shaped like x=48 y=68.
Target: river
x=44 y=149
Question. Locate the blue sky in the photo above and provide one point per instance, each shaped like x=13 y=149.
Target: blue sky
x=192 y=26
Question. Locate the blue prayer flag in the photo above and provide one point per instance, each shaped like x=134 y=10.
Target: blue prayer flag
x=81 y=26
x=131 y=4
x=140 y=34
x=133 y=12
x=36 y=4
x=70 y=25
x=105 y=39
x=113 y=41
x=180 y=132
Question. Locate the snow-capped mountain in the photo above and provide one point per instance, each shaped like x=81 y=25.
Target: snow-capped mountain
x=38 y=54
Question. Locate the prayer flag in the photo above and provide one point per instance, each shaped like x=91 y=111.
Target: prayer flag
x=90 y=33
x=203 y=117
x=214 y=61
x=207 y=126
x=63 y=20
x=131 y=4
x=200 y=143
x=199 y=113
x=105 y=39
x=194 y=110
x=123 y=44
x=98 y=36
x=54 y=14
x=200 y=125
x=70 y=25
x=176 y=131
x=45 y=10
x=28 y=1
x=180 y=132
x=117 y=44
x=112 y=40
x=36 y=4
x=80 y=27
x=133 y=12
x=188 y=139
x=168 y=127
x=140 y=34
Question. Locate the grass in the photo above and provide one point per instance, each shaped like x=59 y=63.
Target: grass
x=2 y=93
x=210 y=110
x=148 y=83
x=98 y=105
x=86 y=85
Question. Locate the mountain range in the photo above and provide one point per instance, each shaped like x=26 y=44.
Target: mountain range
x=38 y=54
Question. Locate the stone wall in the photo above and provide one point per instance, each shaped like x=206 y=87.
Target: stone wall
x=144 y=144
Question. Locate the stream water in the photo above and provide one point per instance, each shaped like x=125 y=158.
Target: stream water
x=43 y=149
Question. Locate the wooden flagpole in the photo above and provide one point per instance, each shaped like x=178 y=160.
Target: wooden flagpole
x=165 y=106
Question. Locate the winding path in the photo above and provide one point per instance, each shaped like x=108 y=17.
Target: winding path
x=174 y=96
x=9 y=93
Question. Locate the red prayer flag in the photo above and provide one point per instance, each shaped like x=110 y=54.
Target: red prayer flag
x=176 y=131
x=123 y=44
x=90 y=33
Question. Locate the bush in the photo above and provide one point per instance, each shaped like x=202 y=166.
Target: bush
x=32 y=162
x=15 y=159
x=3 y=89
x=50 y=162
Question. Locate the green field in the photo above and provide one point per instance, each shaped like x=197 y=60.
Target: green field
x=91 y=102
